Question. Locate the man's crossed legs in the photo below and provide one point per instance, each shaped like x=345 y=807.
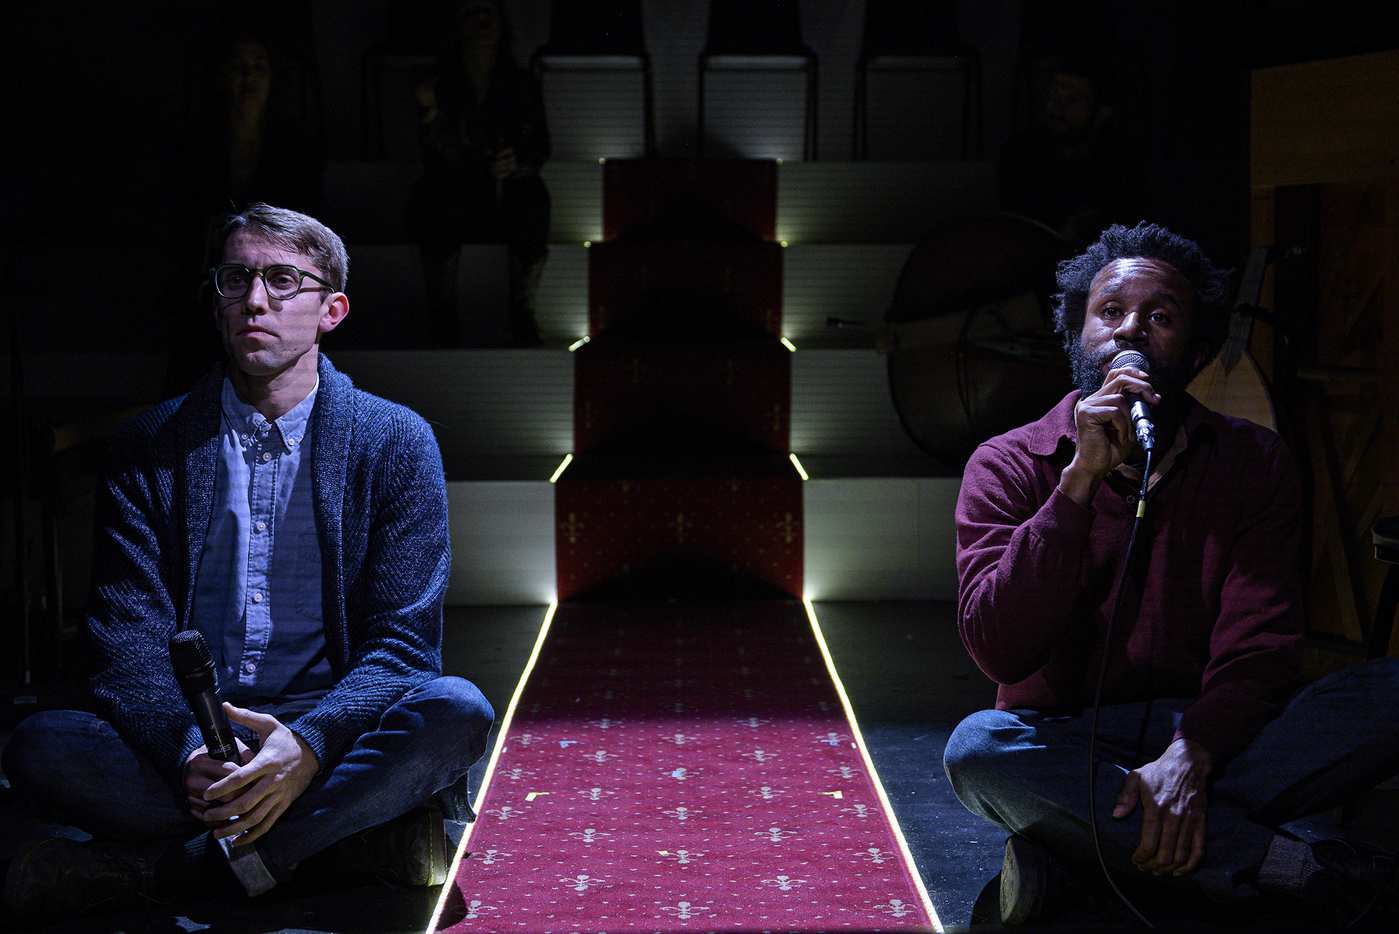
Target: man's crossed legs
x=1336 y=738
x=74 y=768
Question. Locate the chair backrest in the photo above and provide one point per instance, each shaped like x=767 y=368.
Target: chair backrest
x=599 y=27
x=755 y=27
x=897 y=27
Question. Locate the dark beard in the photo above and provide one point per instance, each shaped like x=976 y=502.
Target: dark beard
x=1170 y=381
x=1087 y=370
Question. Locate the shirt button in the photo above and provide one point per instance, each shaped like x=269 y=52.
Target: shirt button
x=257 y=597
x=249 y=667
x=266 y=456
x=292 y=442
x=1132 y=498
x=261 y=526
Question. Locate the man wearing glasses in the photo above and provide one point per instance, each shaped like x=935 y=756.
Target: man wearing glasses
x=300 y=524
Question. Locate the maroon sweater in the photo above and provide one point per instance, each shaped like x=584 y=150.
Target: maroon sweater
x=1219 y=618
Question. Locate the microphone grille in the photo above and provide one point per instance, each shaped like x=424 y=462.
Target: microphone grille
x=1133 y=358
x=189 y=652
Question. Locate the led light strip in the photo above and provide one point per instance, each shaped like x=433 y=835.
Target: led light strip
x=563 y=465
x=490 y=767
x=869 y=764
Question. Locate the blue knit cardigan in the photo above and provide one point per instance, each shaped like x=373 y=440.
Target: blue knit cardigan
x=381 y=515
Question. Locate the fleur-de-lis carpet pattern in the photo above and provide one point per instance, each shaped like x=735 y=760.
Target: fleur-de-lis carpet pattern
x=681 y=768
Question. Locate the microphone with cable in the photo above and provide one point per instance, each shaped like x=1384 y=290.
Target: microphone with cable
x=1142 y=424
x=199 y=682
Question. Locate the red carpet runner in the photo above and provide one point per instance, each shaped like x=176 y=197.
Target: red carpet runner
x=681 y=768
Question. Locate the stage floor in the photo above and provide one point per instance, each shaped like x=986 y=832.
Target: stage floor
x=909 y=682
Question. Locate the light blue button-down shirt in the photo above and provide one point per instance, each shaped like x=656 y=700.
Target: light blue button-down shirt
x=257 y=599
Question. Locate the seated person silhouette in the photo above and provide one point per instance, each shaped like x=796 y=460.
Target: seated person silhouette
x=484 y=140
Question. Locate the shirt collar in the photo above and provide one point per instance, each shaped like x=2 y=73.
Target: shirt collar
x=249 y=423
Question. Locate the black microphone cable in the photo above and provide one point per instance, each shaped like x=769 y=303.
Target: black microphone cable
x=1127 y=561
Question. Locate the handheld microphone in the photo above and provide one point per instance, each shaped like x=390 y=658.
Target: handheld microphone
x=1140 y=412
x=199 y=682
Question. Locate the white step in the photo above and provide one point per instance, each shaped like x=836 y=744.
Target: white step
x=498 y=414
x=880 y=538
x=817 y=202
x=851 y=281
x=502 y=543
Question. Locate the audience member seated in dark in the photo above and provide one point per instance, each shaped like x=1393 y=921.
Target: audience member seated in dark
x=484 y=141
x=299 y=526
x=1074 y=170
x=253 y=141
x=257 y=141
x=1218 y=771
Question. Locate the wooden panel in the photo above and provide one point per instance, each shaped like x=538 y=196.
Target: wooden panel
x=1326 y=121
x=1388 y=363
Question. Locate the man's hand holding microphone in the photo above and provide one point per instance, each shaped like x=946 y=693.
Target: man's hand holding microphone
x=238 y=792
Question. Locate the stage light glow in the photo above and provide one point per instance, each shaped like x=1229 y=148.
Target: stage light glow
x=585 y=339
x=783 y=243
x=869 y=763
x=505 y=722
x=587 y=244
x=779 y=160
x=801 y=471
x=789 y=345
x=601 y=160
x=567 y=459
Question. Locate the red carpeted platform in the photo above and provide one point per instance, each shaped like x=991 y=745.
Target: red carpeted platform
x=682 y=767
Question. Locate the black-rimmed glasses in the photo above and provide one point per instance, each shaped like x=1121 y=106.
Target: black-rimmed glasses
x=282 y=281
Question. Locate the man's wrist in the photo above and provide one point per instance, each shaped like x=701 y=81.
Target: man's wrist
x=1078 y=483
x=307 y=753
x=1200 y=757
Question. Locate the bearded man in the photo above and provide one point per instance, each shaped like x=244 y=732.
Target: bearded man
x=1216 y=770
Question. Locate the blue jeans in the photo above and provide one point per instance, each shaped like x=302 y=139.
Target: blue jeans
x=1028 y=772
x=74 y=768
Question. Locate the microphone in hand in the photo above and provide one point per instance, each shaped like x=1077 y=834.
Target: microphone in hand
x=1139 y=410
x=199 y=682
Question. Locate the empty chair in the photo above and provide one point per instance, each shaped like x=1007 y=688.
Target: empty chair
x=757 y=82
x=917 y=86
x=595 y=75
